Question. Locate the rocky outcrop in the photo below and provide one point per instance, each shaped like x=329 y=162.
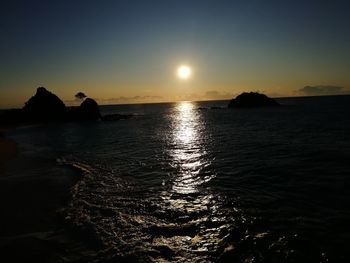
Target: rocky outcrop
x=44 y=106
x=89 y=110
x=252 y=99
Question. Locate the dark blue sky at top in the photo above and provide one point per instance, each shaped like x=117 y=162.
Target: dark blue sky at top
x=59 y=38
x=58 y=23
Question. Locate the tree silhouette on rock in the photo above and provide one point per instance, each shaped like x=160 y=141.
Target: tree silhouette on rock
x=80 y=95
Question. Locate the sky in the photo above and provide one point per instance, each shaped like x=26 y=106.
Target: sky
x=128 y=51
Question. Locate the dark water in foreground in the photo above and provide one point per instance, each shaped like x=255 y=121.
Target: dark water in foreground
x=180 y=184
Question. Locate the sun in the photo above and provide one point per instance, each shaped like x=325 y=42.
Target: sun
x=184 y=72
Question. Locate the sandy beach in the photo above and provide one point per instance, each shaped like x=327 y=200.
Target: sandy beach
x=32 y=227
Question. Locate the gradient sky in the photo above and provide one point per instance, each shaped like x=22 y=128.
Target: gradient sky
x=128 y=51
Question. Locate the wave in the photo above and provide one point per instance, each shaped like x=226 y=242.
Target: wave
x=125 y=221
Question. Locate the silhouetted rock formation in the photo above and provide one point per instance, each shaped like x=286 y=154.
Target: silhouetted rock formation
x=89 y=110
x=44 y=106
x=252 y=99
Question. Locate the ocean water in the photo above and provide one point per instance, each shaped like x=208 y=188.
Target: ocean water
x=182 y=182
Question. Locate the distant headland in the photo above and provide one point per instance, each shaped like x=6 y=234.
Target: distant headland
x=252 y=99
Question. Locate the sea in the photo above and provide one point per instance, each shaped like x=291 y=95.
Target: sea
x=199 y=182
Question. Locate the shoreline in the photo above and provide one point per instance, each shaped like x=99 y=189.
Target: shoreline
x=8 y=150
x=33 y=225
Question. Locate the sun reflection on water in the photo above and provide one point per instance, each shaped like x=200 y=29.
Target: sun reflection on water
x=194 y=207
x=188 y=152
x=186 y=120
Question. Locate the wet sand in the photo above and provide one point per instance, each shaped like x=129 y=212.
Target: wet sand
x=32 y=227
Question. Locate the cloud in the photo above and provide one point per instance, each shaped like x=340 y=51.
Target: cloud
x=214 y=94
x=323 y=90
x=134 y=99
x=120 y=100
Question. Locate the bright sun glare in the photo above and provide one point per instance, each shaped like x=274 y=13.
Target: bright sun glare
x=184 y=72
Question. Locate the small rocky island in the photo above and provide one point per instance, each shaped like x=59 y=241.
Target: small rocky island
x=45 y=107
x=252 y=99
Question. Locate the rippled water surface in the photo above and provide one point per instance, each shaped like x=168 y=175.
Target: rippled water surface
x=183 y=182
